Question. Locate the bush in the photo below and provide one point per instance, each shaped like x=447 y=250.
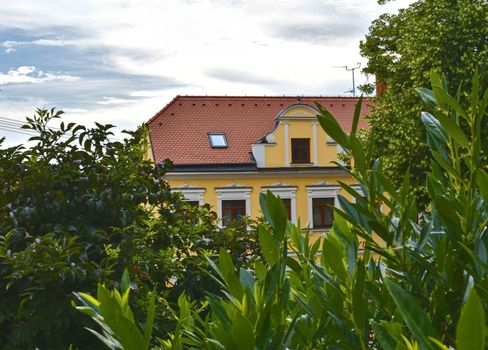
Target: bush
x=77 y=209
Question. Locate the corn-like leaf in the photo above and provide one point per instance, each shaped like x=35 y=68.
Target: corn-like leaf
x=413 y=315
x=470 y=330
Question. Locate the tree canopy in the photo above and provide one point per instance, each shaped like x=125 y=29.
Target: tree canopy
x=76 y=209
x=402 y=50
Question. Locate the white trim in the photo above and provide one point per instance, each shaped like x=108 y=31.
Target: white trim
x=295 y=106
x=287 y=146
x=340 y=150
x=330 y=191
x=192 y=194
x=259 y=154
x=304 y=172
x=315 y=148
x=239 y=193
x=285 y=192
x=330 y=140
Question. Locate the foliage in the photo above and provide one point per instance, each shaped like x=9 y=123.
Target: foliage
x=77 y=208
x=420 y=283
x=402 y=49
x=113 y=310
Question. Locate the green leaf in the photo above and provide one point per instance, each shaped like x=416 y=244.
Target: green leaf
x=358 y=299
x=443 y=98
x=436 y=136
x=269 y=246
x=246 y=278
x=332 y=256
x=357 y=114
x=384 y=337
x=470 y=330
x=482 y=178
x=448 y=215
x=332 y=127
x=149 y=319
x=413 y=315
x=427 y=96
x=275 y=213
x=358 y=153
x=452 y=129
x=125 y=282
x=228 y=272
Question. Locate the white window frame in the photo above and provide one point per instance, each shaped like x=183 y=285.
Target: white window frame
x=235 y=193
x=224 y=138
x=192 y=194
x=327 y=191
x=286 y=192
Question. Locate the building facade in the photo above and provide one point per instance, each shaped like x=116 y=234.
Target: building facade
x=227 y=150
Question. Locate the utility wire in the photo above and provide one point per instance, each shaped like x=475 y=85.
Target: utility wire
x=15 y=125
x=16 y=131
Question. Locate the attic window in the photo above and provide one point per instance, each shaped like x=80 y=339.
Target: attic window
x=217 y=140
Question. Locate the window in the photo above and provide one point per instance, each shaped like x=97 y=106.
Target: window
x=321 y=197
x=217 y=140
x=287 y=195
x=189 y=205
x=287 y=203
x=323 y=215
x=300 y=150
x=191 y=194
x=192 y=204
x=233 y=201
x=232 y=210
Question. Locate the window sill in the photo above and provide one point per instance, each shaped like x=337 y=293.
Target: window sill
x=301 y=164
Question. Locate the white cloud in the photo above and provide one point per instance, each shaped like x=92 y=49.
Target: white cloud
x=114 y=101
x=231 y=47
x=11 y=45
x=30 y=74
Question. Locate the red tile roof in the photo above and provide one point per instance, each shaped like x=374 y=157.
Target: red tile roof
x=180 y=130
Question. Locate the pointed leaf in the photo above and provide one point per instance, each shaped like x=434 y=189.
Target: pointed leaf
x=413 y=315
x=470 y=330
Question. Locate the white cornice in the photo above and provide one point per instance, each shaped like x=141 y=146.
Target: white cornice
x=254 y=174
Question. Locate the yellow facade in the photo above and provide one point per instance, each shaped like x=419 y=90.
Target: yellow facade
x=275 y=170
x=258 y=183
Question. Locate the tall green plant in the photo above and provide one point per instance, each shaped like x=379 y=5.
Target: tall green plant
x=419 y=283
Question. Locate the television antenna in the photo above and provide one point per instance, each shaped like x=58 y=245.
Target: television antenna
x=352 y=69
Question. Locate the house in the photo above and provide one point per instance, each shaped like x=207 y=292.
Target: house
x=226 y=150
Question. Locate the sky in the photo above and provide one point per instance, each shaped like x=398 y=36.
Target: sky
x=121 y=61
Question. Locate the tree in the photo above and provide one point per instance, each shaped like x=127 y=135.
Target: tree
x=76 y=209
x=402 y=50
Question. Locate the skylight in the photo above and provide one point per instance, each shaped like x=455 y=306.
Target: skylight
x=217 y=140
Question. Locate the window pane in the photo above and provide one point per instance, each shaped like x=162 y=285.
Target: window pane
x=217 y=140
x=232 y=210
x=287 y=203
x=300 y=150
x=323 y=215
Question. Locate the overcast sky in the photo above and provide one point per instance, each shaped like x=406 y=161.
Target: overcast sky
x=120 y=61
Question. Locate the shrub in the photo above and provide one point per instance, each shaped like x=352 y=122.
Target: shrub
x=78 y=208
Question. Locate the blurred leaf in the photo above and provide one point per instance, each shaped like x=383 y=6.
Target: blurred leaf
x=470 y=330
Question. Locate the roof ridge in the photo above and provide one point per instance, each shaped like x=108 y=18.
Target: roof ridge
x=163 y=109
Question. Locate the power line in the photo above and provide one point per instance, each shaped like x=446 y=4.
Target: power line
x=20 y=123
x=15 y=124
x=16 y=131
